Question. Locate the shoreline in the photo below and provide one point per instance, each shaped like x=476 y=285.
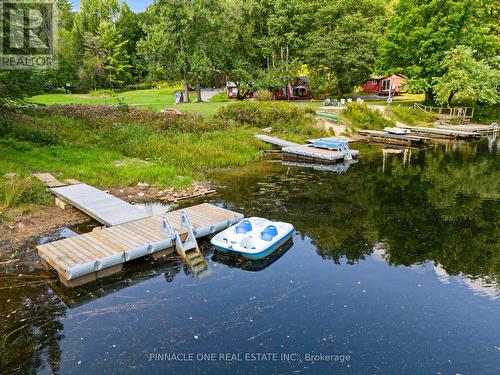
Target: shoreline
x=26 y=228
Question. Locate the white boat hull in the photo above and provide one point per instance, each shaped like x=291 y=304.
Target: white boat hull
x=254 y=238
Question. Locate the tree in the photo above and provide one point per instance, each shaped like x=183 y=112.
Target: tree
x=18 y=84
x=344 y=39
x=183 y=40
x=91 y=72
x=421 y=32
x=114 y=53
x=129 y=26
x=468 y=77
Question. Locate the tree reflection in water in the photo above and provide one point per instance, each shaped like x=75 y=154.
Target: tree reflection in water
x=31 y=326
x=442 y=206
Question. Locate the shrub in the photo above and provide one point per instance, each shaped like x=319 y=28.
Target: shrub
x=104 y=116
x=261 y=114
x=263 y=95
x=365 y=118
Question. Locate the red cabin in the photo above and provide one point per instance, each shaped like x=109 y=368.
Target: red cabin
x=298 y=90
x=383 y=85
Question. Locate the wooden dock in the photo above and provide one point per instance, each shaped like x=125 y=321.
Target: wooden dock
x=84 y=258
x=441 y=133
x=384 y=137
x=475 y=128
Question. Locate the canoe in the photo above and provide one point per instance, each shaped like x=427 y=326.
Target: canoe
x=253 y=238
x=329 y=116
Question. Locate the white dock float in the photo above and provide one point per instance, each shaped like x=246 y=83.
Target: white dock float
x=99 y=205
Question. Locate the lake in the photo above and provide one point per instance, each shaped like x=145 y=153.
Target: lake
x=394 y=268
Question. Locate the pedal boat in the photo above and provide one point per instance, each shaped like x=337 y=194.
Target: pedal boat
x=253 y=238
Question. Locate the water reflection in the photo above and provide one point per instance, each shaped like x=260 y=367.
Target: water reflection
x=31 y=321
x=237 y=261
x=443 y=206
x=434 y=213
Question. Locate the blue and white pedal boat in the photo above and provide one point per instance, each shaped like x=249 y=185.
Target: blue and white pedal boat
x=254 y=238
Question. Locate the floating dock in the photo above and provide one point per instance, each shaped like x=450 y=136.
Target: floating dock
x=316 y=155
x=475 y=128
x=307 y=152
x=101 y=206
x=84 y=258
x=384 y=137
x=441 y=133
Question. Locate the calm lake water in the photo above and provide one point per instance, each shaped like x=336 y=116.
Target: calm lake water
x=394 y=269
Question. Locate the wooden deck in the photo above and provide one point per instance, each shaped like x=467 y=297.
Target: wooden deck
x=99 y=205
x=82 y=259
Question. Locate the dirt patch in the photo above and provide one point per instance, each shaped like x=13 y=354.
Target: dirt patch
x=144 y=193
x=25 y=228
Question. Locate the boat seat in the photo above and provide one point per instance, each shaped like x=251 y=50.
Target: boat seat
x=269 y=233
x=244 y=226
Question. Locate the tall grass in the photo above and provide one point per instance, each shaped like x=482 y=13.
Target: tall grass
x=105 y=146
x=21 y=190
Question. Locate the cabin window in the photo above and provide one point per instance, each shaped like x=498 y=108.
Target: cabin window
x=374 y=82
x=386 y=84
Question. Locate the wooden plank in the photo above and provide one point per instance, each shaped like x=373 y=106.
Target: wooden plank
x=116 y=239
x=52 y=258
x=153 y=233
x=65 y=259
x=99 y=205
x=128 y=236
x=97 y=247
x=115 y=246
x=49 y=180
x=198 y=217
x=77 y=251
x=210 y=210
x=99 y=252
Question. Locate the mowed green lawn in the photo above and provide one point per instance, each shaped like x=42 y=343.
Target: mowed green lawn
x=156 y=99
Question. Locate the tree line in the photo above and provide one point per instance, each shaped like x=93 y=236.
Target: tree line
x=446 y=48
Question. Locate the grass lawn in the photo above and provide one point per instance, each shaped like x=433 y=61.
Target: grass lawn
x=156 y=99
